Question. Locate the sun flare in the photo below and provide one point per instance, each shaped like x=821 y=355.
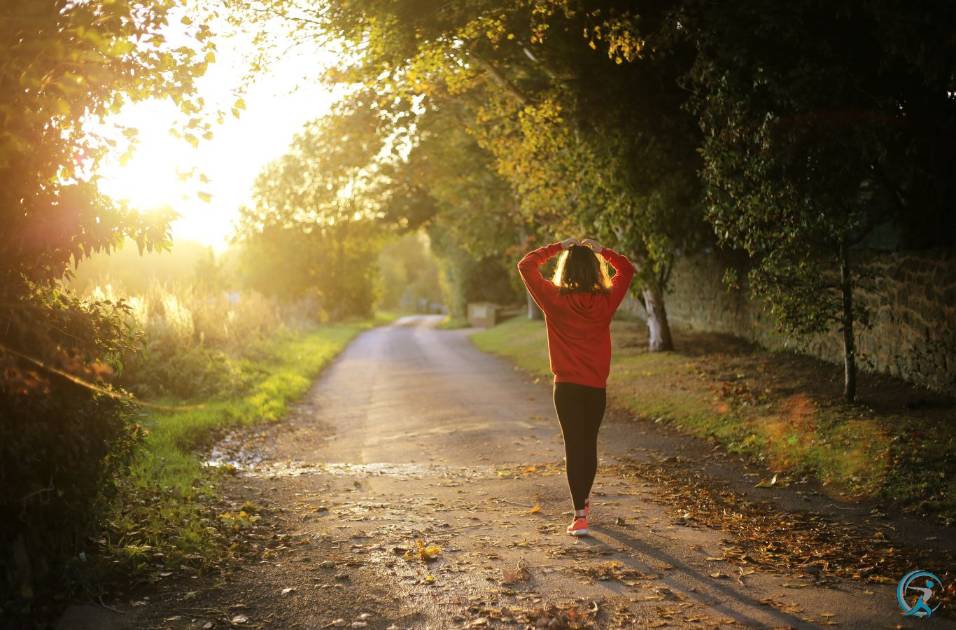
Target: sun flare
x=207 y=184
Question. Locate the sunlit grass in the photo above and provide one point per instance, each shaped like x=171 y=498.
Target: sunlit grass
x=453 y=323
x=163 y=503
x=521 y=340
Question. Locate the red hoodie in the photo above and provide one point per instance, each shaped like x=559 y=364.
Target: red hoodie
x=579 y=323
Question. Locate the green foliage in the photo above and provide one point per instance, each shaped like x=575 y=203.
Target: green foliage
x=549 y=108
x=408 y=272
x=790 y=178
x=472 y=223
x=474 y=205
x=184 y=330
x=184 y=317
x=60 y=444
x=546 y=111
x=62 y=64
x=313 y=230
x=164 y=514
x=334 y=266
x=810 y=144
x=468 y=278
x=127 y=272
x=61 y=451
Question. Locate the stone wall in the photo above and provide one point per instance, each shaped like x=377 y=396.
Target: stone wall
x=912 y=302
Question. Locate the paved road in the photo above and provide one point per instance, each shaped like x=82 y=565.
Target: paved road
x=413 y=433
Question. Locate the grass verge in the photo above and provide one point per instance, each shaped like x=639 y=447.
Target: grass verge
x=784 y=410
x=166 y=514
x=452 y=323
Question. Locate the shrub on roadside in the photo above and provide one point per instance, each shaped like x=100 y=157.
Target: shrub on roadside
x=61 y=444
x=189 y=335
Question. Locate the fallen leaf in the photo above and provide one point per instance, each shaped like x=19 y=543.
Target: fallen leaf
x=424 y=552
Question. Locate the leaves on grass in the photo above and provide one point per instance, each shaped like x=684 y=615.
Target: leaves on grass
x=238 y=520
x=809 y=545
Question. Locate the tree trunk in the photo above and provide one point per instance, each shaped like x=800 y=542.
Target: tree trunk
x=533 y=311
x=658 y=329
x=849 y=347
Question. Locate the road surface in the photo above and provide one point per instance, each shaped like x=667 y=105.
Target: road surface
x=411 y=433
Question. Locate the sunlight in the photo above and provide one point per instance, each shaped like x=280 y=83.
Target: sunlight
x=208 y=184
x=150 y=178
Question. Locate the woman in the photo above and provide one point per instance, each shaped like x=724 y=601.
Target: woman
x=578 y=306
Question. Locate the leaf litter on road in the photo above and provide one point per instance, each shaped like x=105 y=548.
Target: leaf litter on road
x=519 y=573
x=423 y=552
x=610 y=570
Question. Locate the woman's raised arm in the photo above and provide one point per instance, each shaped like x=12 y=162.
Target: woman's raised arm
x=543 y=291
x=624 y=272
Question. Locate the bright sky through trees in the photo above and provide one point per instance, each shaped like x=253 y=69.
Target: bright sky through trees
x=277 y=104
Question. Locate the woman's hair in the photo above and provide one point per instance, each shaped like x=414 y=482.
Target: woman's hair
x=579 y=269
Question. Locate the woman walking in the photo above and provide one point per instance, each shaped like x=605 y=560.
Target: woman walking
x=578 y=305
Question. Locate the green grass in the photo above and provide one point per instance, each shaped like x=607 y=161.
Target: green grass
x=451 y=323
x=164 y=506
x=782 y=410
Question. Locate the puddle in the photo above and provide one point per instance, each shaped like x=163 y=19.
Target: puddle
x=390 y=469
x=249 y=461
x=232 y=451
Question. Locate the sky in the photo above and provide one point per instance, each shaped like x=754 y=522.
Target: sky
x=278 y=103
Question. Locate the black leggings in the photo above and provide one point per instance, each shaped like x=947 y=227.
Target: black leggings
x=580 y=410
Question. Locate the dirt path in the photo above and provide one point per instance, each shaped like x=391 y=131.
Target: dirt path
x=413 y=434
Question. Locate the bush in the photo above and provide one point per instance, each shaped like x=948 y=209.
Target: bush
x=61 y=444
x=188 y=334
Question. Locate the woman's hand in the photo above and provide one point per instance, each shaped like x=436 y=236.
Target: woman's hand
x=569 y=242
x=596 y=247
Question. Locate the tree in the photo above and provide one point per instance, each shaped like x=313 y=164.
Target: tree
x=549 y=106
x=474 y=229
x=607 y=148
x=809 y=144
x=409 y=273
x=313 y=229
x=63 y=63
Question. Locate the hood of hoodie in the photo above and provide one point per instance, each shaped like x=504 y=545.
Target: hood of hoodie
x=587 y=304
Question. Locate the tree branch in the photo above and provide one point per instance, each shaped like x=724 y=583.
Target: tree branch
x=501 y=80
x=894 y=191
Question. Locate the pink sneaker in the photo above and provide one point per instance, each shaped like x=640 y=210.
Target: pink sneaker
x=579 y=526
